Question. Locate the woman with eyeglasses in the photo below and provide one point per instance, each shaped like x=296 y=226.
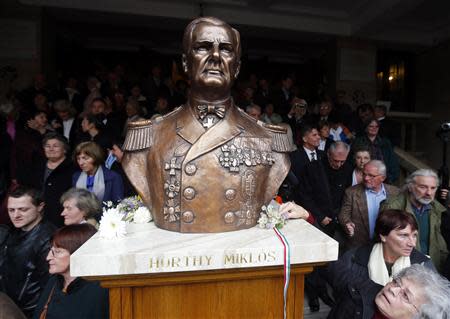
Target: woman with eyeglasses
x=360 y=273
x=66 y=296
x=415 y=292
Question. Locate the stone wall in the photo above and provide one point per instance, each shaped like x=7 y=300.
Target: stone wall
x=433 y=96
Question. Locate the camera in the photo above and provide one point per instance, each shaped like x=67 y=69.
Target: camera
x=445 y=126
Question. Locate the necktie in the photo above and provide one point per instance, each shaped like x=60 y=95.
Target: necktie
x=313 y=156
x=204 y=109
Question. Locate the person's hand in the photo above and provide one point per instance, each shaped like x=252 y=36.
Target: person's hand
x=32 y=124
x=326 y=221
x=350 y=229
x=117 y=152
x=56 y=124
x=292 y=210
x=444 y=193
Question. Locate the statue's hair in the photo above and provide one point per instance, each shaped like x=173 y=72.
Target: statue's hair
x=188 y=31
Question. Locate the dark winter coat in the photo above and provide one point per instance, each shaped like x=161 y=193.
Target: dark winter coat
x=353 y=290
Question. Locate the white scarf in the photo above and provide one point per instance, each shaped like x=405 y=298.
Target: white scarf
x=377 y=267
x=99 y=183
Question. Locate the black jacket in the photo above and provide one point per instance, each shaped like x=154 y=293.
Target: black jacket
x=353 y=290
x=322 y=188
x=83 y=299
x=58 y=182
x=25 y=271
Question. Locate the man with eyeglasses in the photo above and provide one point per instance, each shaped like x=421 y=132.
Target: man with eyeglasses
x=361 y=203
x=24 y=272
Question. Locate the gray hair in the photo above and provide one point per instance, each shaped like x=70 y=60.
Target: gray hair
x=84 y=201
x=435 y=288
x=64 y=106
x=411 y=179
x=339 y=146
x=253 y=107
x=381 y=167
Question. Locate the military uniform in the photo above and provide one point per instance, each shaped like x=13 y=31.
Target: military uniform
x=195 y=179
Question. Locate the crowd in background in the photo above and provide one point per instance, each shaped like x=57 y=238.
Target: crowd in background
x=61 y=153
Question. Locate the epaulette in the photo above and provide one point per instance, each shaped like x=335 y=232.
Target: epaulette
x=139 y=136
x=280 y=138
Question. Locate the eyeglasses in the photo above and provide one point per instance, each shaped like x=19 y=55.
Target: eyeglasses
x=403 y=295
x=57 y=252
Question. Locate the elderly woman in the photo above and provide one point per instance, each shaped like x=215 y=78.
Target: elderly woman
x=53 y=175
x=106 y=184
x=361 y=158
x=380 y=148
x=66 y=296
x=80 y=206
x=361 y=273
x=415 y=292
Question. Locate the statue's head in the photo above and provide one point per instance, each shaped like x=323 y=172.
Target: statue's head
x=211 y=54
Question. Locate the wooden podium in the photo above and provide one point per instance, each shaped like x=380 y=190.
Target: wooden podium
x=241 y=293
x=250 y=288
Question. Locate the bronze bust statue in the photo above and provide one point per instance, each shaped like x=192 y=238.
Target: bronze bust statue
x=207 y=166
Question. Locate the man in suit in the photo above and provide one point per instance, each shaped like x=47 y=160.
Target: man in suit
x=207 y=166
x=320 y=191
x=308 y=152
x=322 y=185
x=361 y=204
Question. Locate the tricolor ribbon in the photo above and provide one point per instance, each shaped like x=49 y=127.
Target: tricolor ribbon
x=287 y=263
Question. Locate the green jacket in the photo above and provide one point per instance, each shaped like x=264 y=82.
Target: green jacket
x=437 y=246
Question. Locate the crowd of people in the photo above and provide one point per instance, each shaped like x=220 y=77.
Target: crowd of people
x=61 y=162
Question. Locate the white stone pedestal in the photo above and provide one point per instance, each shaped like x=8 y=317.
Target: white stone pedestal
x=147 y=249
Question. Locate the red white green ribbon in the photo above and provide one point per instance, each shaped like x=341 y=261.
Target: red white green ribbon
x=286 y=262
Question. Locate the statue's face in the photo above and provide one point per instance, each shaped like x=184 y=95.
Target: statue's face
x=211 y=61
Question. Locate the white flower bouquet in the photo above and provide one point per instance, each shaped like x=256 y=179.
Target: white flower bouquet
x=113 y=223
x=270 y=217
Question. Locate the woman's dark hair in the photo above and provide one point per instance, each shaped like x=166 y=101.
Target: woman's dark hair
x=370 y=122
x=71 y=237
x=94 y=119
x=391 y=219
x=58 y=137
x=322 y=124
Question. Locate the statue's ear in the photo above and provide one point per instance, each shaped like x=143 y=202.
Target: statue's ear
x=238 y=68
x=184 y=63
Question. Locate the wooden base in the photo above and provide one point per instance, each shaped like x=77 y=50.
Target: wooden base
x=233 y=293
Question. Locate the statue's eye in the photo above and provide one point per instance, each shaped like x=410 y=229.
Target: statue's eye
x=202 y=47
x=226 y=48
